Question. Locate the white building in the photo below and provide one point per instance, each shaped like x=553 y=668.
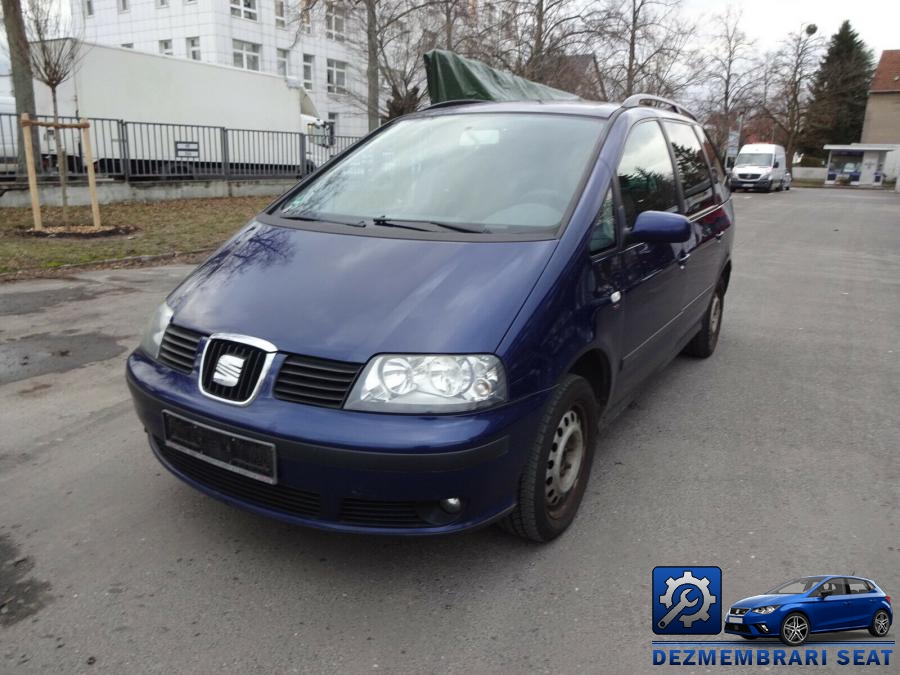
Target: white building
x=317 y=48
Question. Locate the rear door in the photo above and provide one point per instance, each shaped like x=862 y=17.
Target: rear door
x=653 y=282
x=703 y=257
x=863 y=602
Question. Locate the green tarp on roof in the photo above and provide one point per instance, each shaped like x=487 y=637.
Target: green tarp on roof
x=452 y=77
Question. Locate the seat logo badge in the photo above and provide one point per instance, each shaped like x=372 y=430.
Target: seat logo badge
x=228 y=370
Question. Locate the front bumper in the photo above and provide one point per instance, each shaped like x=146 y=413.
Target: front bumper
x=754 y=625
x=755 y=184
x=345 y=470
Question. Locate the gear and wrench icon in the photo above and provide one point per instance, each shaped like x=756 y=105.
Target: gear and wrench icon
x=702 y=585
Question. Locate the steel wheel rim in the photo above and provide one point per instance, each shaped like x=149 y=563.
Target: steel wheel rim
x=881 y=623
x=795 y=628
x=565 y=459
x=715 y=314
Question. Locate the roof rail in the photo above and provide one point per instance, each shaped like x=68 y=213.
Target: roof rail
x=638 y=100
x=458 y=101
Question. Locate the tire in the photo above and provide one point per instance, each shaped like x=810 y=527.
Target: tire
x=881 y=623
x=794 y=629
x=548 y=498
x=704 y=343
x=787 y=187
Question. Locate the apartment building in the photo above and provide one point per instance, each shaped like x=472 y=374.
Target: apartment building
x=318 y=48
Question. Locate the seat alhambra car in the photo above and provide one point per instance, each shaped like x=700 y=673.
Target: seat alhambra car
x=420 y=337
x=822 y=604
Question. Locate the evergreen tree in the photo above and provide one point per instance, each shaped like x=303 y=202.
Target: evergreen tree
x=839 y=92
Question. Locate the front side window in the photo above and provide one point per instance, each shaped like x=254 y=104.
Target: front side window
x=495 y=172
x=692 y=168
x=603 y=233
x=281 y=57
x=193 y=48
x=337 y=77
x=646 y=176
x=335 y=20
x=244 y=9
x=837 y=586
x=245 y=55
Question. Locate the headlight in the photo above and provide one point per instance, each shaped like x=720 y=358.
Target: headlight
x=768 y=609
x=156 y=326
x=429 y=384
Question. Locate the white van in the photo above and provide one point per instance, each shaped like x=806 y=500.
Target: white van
x=760 y=166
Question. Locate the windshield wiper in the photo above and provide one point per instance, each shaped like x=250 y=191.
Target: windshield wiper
x=410 y=224
x=311 y=216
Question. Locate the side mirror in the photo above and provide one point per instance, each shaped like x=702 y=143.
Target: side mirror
x=661 y=227
x=775 y=166
x=825 y=594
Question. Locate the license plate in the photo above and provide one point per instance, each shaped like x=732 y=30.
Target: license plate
x=246 y=456
x=735 y=619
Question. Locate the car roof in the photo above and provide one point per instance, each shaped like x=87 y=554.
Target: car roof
x=586 y=108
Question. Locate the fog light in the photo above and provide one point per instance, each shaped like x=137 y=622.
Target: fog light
x=763 y=627
x=451 y=504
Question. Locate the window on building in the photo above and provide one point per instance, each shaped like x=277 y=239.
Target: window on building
x=282 y=57
x=244 y=9
x=309 y=67
x=333 y=122
x=306 y=16
x=337 y=77
x=123 y=5
x=335 y=21
x=165 y=47
x=89 y=7
x=162 y=3
x=245 y=54
x=127 y=45
x=192 y=45
x=279 y=14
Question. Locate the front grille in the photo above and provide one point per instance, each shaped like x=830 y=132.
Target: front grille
x=254 y=361
x=321 y=382
x=737 y=627
x=178 y=348
x=738 y=611
x=381 y=514
x=276 y=497
x=748 y=176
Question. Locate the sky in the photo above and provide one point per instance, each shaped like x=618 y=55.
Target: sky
x=769 y=21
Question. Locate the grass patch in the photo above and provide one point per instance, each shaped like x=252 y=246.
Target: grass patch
x=155 y=228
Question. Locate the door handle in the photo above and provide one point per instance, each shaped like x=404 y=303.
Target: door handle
x=683 y=258
x=719 y=235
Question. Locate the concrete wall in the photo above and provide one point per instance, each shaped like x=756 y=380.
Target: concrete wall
x=882 y=123
x=111 y=192
x=810 y=173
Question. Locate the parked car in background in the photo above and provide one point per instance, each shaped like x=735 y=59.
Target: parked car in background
x=819 y=604
x=421 y=337
x=760 y=166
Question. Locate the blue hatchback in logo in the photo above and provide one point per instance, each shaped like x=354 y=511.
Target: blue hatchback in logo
x=819 y=604
x=687 y=601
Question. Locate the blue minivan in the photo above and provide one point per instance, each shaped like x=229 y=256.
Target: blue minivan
x=422 y=336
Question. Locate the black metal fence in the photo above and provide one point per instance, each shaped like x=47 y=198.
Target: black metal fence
x=163 y=151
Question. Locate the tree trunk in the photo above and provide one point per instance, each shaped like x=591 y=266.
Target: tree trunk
x=372 y=64
x=61 y=162
x=23 y=86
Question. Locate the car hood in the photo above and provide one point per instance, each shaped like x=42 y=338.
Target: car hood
x=763 y=600
x=751 y=167
x=348 y=296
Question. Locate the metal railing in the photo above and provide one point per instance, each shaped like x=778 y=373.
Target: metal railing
x=164 y=151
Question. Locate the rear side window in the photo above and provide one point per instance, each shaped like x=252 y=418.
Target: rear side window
x=713 y=158
x=646 y=176
x=859 y=586
x=692 y=167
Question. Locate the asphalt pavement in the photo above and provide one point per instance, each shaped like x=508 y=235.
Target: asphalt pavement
x=776 y=458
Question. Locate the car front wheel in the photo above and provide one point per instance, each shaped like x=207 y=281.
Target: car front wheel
x=558 y=465
x=794 y=629
x=881 y=623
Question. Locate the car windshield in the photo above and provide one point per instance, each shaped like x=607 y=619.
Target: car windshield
x=487 y=172
x=754 y=159
x=797 y=586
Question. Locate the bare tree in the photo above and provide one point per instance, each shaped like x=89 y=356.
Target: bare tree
x=732 y=75
x=20 y=61
x=54 y=58
x=646 y=46
x=793 y=69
